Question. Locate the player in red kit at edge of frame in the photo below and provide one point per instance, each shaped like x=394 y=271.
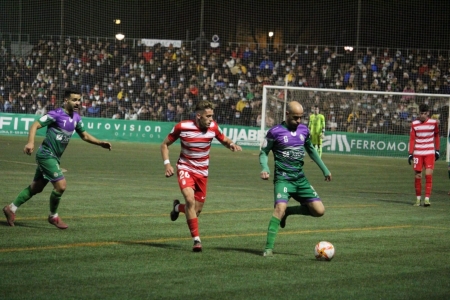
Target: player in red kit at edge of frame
x=424 y=145
x=193 y=162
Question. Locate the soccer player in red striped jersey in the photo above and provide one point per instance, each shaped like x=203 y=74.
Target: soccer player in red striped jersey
x=424 y=145
x=192 y=166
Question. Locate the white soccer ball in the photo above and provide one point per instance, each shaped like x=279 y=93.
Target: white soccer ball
x=324 y=251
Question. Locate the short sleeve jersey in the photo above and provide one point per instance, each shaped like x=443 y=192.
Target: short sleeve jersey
x=288 y=149
x=195 y=145
x=60 y=128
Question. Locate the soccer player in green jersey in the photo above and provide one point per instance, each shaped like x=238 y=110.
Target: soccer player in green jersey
x=61 y=124
x=316 y=126
x=289 y=141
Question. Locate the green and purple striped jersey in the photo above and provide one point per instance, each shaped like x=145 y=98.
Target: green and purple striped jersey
x=288 y=149
x=60 y=128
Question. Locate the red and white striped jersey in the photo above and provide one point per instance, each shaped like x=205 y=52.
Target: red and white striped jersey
x=195 y=145
x=424 y=137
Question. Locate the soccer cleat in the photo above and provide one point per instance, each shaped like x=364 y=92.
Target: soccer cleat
x=268 y=253
x=57 y=222
x=426 y=203
x=417 y=203
x=283 y=221
x=10 y=216
x=197 y=246
x=173 y=214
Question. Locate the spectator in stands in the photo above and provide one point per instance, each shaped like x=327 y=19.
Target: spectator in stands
x=40 y=109
x=266 y=65
x=313 y=80
x=180 y=114
x=94 y=110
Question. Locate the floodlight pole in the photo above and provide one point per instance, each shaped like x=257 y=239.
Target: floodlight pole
x=202 y=11
x=358 y=25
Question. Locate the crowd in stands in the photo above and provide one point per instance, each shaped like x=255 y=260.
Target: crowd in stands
x=164 y=83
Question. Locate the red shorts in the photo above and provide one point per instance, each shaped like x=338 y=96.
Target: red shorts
x=423 y=162
x=195 y=181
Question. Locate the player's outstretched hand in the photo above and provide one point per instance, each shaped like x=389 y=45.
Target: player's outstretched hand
x=28 y=149
x=264 y=175
x=328 y=177
x=410 y=158
x=234 y=147
x=106 y=145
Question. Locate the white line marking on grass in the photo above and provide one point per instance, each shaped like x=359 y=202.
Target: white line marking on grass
x=165 y=240
x=25 y=163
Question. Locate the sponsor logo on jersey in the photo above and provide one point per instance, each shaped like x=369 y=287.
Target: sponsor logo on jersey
x=278 y=195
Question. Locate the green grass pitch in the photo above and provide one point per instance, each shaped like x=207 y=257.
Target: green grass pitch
x=121 y=244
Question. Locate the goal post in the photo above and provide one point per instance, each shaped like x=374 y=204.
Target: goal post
x=359 y=122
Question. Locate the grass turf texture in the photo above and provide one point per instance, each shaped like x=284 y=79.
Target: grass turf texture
x=121 y=243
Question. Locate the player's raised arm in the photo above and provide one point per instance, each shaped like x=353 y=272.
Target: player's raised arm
x=29 y=147
x=165 y=156
x=312 y=152
x=85 y=136
x=264 y=158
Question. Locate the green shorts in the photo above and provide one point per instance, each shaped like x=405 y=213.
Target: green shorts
x=300 y=190
x=48 y=169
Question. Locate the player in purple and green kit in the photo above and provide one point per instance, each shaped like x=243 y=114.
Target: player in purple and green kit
x=61 y=124
x=289 y=141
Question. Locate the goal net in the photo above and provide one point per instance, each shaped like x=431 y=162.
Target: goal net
x=358 y=122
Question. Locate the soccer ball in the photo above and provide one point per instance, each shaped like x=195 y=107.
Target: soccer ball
x=324 y=251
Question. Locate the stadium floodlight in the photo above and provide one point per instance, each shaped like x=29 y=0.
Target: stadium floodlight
x=120 y=36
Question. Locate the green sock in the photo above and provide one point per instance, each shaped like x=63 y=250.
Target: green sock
x=320 y=150
x=23 y=196
x=297 y=210
x=272 y=232
x=55 y=197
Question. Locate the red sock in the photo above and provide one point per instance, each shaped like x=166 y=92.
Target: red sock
x=181 y=207
x=428 y=184
x=418 y=185
x=193 y=227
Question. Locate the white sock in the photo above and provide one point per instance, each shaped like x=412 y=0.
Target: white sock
x=13 y=207
x=53 y=216
x=197 y=238
x=427 y=198
x=418 y=198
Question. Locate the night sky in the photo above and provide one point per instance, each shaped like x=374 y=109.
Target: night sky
x=383 y=23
